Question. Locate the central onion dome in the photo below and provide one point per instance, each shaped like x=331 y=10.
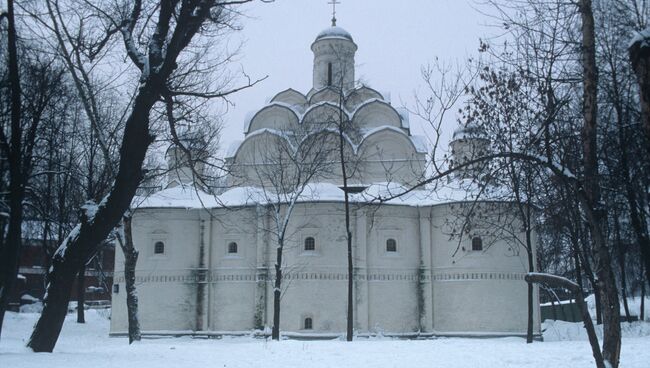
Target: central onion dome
x=334 y=32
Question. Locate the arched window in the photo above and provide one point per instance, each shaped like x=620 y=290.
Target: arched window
x=310 y=243
x=159 y=248
x=477 y=243
x=329 y=74
x=391 y=245
x=232 y=247
x=308 y=325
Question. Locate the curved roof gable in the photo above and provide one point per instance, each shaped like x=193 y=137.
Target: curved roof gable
x=376 y=113
x=331 y=112
x=256 y=135
x=276 y=115
x=360 y=95
x=290 y=96
x=391 y=130
x=327 y=94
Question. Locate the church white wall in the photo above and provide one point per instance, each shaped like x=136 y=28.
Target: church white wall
x=477 y=291
x=232 y=282
x=392 y=277
x=165 y=284
x=470 y=292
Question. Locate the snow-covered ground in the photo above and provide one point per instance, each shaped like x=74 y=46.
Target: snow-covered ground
x=89 y=345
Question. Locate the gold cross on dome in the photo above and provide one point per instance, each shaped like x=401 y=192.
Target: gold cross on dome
x=334 y=2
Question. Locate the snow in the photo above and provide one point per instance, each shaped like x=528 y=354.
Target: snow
x=90 y=210
x=334 y=32
x=643 y=37
x=182 y=196
x=406 y=118
x=90 y=345
x=420 y=142
x=28 y=298
x=188 y=197
x=233 y=148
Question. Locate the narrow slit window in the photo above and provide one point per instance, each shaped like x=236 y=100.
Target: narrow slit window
x=308 y=325
x=391 y=245
x=232 y=248
x=477 y=243
x=329 y=74
x=310 y=243
x=159 y=248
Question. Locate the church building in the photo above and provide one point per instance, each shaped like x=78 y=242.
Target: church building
x=421 y=268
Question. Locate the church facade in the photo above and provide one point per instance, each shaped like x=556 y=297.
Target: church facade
x=206 y=262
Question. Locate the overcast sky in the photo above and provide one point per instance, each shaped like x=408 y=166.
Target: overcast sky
x=395 y=38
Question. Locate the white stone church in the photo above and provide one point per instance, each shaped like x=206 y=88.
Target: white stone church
x=421 y=269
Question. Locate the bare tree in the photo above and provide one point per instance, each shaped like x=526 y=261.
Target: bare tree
x=31 y=90
x=173 y=30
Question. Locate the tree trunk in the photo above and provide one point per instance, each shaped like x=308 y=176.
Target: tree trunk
x=275 y=332
x=130 y=260
x=642 y=311
x=580 y=300
x=594 y=285
x=531 y=268
x=10 y=252
x=639 y=53
x=348 y=233
x=81 y=244
x=591 y=200
x=621 y=262
x=81 y=293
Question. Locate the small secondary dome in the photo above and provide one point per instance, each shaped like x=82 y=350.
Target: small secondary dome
x=471 y=130
x=334 y=32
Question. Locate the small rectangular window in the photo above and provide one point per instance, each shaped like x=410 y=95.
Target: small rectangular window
x=329 y=74
x=477 y=243
x=391 y=245
x=116 y=288
x=310 y=244
x=159 y=248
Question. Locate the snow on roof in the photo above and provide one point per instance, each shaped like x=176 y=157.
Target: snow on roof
x=252 y=114
x=232 y=149
x=334 y=32
x=248 y=119
x=386 y=95
x=404 y=114
x=420 y=143
x=182 y=196
x=388 y=193
x=471 y=130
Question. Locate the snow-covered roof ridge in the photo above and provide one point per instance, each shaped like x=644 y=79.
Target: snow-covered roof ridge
x=323 y=103
x=279 y=133
x=288 y=90
x=421 y=143
x=249 y=120
x=334 y=32
x=405 y=115
x=233 y=148
x=388 y=193
x=417 y=144
x=371 y=101
x=186 y=196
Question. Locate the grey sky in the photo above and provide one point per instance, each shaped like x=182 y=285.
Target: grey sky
x=395 y=39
